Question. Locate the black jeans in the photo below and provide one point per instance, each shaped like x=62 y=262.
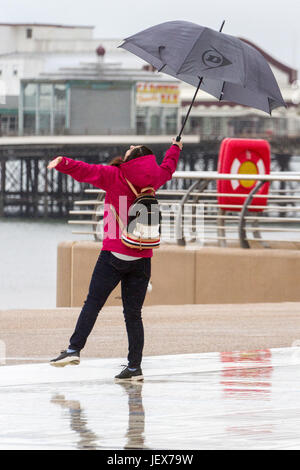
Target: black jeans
x=134 y=277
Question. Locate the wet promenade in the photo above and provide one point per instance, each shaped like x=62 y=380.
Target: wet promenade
x=246 y=397
x=232 y=400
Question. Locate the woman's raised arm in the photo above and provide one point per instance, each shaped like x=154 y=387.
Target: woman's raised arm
x=100 y=176
x=169 y=163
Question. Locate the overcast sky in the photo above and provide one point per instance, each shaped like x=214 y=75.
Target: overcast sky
x=272 y=25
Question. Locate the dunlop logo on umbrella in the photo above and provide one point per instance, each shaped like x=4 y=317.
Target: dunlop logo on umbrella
x=213 y=59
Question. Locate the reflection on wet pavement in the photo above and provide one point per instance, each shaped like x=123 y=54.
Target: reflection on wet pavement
x=78 y=422
x=240 y=382
x=136 y=416
x=232 y=400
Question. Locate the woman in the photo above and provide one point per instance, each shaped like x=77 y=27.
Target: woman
x=118 y=262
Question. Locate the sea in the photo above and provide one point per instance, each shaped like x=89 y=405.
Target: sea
x=28 y=261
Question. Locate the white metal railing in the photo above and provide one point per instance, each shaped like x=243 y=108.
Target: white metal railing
x=186 y=212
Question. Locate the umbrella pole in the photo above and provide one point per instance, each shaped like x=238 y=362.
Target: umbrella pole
x=193 y=100
x=188 y=113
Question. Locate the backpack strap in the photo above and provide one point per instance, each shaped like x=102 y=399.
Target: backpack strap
x=147 y=188
x=142 y=190
x=131 y=187
x=117 y=217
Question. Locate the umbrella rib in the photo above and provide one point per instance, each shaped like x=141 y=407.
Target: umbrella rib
x=161 y=68
x=222 y=92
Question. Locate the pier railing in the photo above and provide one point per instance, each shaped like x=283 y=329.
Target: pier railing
x=194 y=215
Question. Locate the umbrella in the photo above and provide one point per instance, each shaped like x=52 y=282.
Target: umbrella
x=223 y=65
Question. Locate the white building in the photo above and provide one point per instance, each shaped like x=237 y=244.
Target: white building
x=26 y=51
x=32 y=51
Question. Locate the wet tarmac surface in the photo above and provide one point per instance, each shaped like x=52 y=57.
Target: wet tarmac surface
x=234 y=400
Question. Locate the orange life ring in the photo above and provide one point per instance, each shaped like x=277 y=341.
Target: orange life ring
x=243 y=156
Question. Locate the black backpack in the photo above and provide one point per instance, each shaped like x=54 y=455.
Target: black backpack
x=144 y=220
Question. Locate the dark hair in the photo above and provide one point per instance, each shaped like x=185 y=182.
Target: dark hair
x=140 y=151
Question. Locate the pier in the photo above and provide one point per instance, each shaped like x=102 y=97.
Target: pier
x=28 y=189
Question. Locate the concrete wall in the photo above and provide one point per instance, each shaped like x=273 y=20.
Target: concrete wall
x=245 y=276
x=185 y=276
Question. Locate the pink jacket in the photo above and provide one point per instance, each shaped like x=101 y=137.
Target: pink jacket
x=141 y=172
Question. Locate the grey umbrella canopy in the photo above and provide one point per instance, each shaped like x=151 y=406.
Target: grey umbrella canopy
x=224 y=66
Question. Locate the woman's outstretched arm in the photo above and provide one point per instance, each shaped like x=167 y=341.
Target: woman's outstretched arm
x=169 y=163
x=100 y=176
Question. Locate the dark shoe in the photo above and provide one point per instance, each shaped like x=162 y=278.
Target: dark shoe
x=65 y=359
x=127 y=374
